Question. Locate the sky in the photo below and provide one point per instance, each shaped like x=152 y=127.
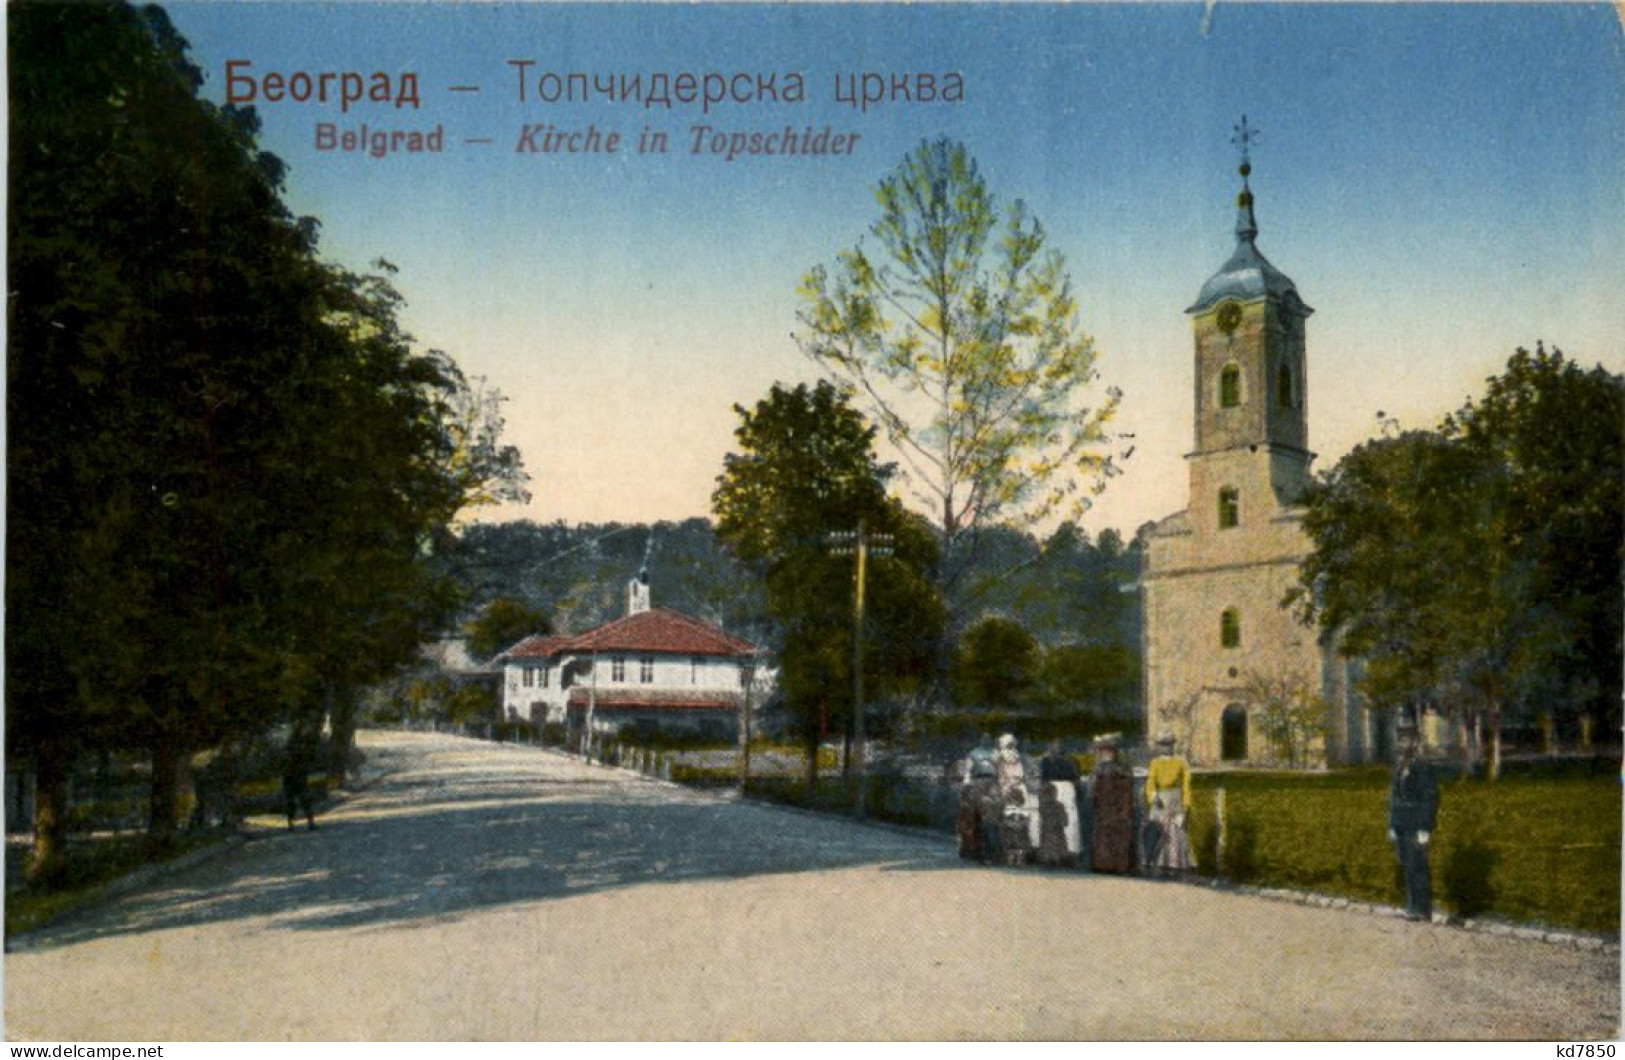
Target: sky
x=1444 y=183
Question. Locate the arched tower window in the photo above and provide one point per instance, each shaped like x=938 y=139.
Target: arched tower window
x=1229 y=508
x=1283 y=386
x=1229 y=387
x=1230 y=628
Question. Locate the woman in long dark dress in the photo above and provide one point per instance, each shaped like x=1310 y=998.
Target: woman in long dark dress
x=1112 y=791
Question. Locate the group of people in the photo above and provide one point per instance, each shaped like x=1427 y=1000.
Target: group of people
x=1013 y=814
x=1101 y=824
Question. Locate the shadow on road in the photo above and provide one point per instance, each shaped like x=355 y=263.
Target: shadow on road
x=437 y=843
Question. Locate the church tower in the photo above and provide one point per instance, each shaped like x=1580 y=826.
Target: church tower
x=1217 y=572
x=1251 y=424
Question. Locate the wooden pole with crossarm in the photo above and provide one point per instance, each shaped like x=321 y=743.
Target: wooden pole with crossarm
x=860 y=544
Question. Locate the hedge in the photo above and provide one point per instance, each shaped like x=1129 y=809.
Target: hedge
x=1541 y=849
x=911 y=804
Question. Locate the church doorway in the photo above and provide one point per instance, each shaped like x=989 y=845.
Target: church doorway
x=1233 y=733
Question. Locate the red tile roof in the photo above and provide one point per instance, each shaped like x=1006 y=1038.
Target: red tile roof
x=655 y=699
x=657 y=630
x=540 y=645
x=660 y=629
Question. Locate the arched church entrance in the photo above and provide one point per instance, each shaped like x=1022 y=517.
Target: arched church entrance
x=1233 y=733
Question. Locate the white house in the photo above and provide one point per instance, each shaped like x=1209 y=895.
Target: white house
x=655 y=668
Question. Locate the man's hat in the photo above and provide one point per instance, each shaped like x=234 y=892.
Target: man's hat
x=1165 y=738
x=1110 y=741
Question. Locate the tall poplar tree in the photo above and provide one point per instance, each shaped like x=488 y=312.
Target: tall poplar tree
x=958 y=327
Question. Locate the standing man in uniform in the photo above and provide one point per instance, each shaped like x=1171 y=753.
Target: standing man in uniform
x=1413 y=809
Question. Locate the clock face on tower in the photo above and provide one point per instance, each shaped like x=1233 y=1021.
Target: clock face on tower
x=1228 y=317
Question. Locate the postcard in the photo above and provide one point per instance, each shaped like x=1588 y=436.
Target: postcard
x=779 y=521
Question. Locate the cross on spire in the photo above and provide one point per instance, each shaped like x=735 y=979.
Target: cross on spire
x=1244 y=138
x=1246 y=224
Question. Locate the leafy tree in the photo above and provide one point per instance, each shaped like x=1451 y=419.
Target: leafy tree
x=805 y=467
x=1104 y=677
x=229 y=472
x=503 y=623
x=1555 y=430
x=1066 y=589
x=384 y=440
x=1470 y=566
x=472 y=705
x=151 y=264
x=959 y=330
x=1399 y=527
x=487 y=470
x=1294 y=719
x=996 y=665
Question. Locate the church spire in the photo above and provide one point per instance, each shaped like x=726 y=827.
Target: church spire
x=1246 y=276
x=1246 y=223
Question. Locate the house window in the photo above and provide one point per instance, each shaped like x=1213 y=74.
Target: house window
x=529 y=680
x=617 y=668
x=1230 y=387
x=541 y=675
x=646 y=669
x=694 y=666
x=1283 y=387
x=1229 y=508
x=1230 y=629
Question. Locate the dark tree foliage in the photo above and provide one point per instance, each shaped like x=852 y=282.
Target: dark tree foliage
x=805 y=467
x=502 y=623
x=577 y=575
x=228 y=472
x=1558 y=432
x=996 y=664
x=1102 y=679
x=1476 y=568
x=1065 y=589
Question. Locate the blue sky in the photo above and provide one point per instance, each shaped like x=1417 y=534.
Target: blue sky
x=1443 y=182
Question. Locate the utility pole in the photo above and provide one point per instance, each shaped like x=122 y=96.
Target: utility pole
x=747 y=677
x=860 y=544
x=592 y=708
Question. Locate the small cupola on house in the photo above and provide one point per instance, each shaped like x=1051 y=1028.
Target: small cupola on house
x=637 y=592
